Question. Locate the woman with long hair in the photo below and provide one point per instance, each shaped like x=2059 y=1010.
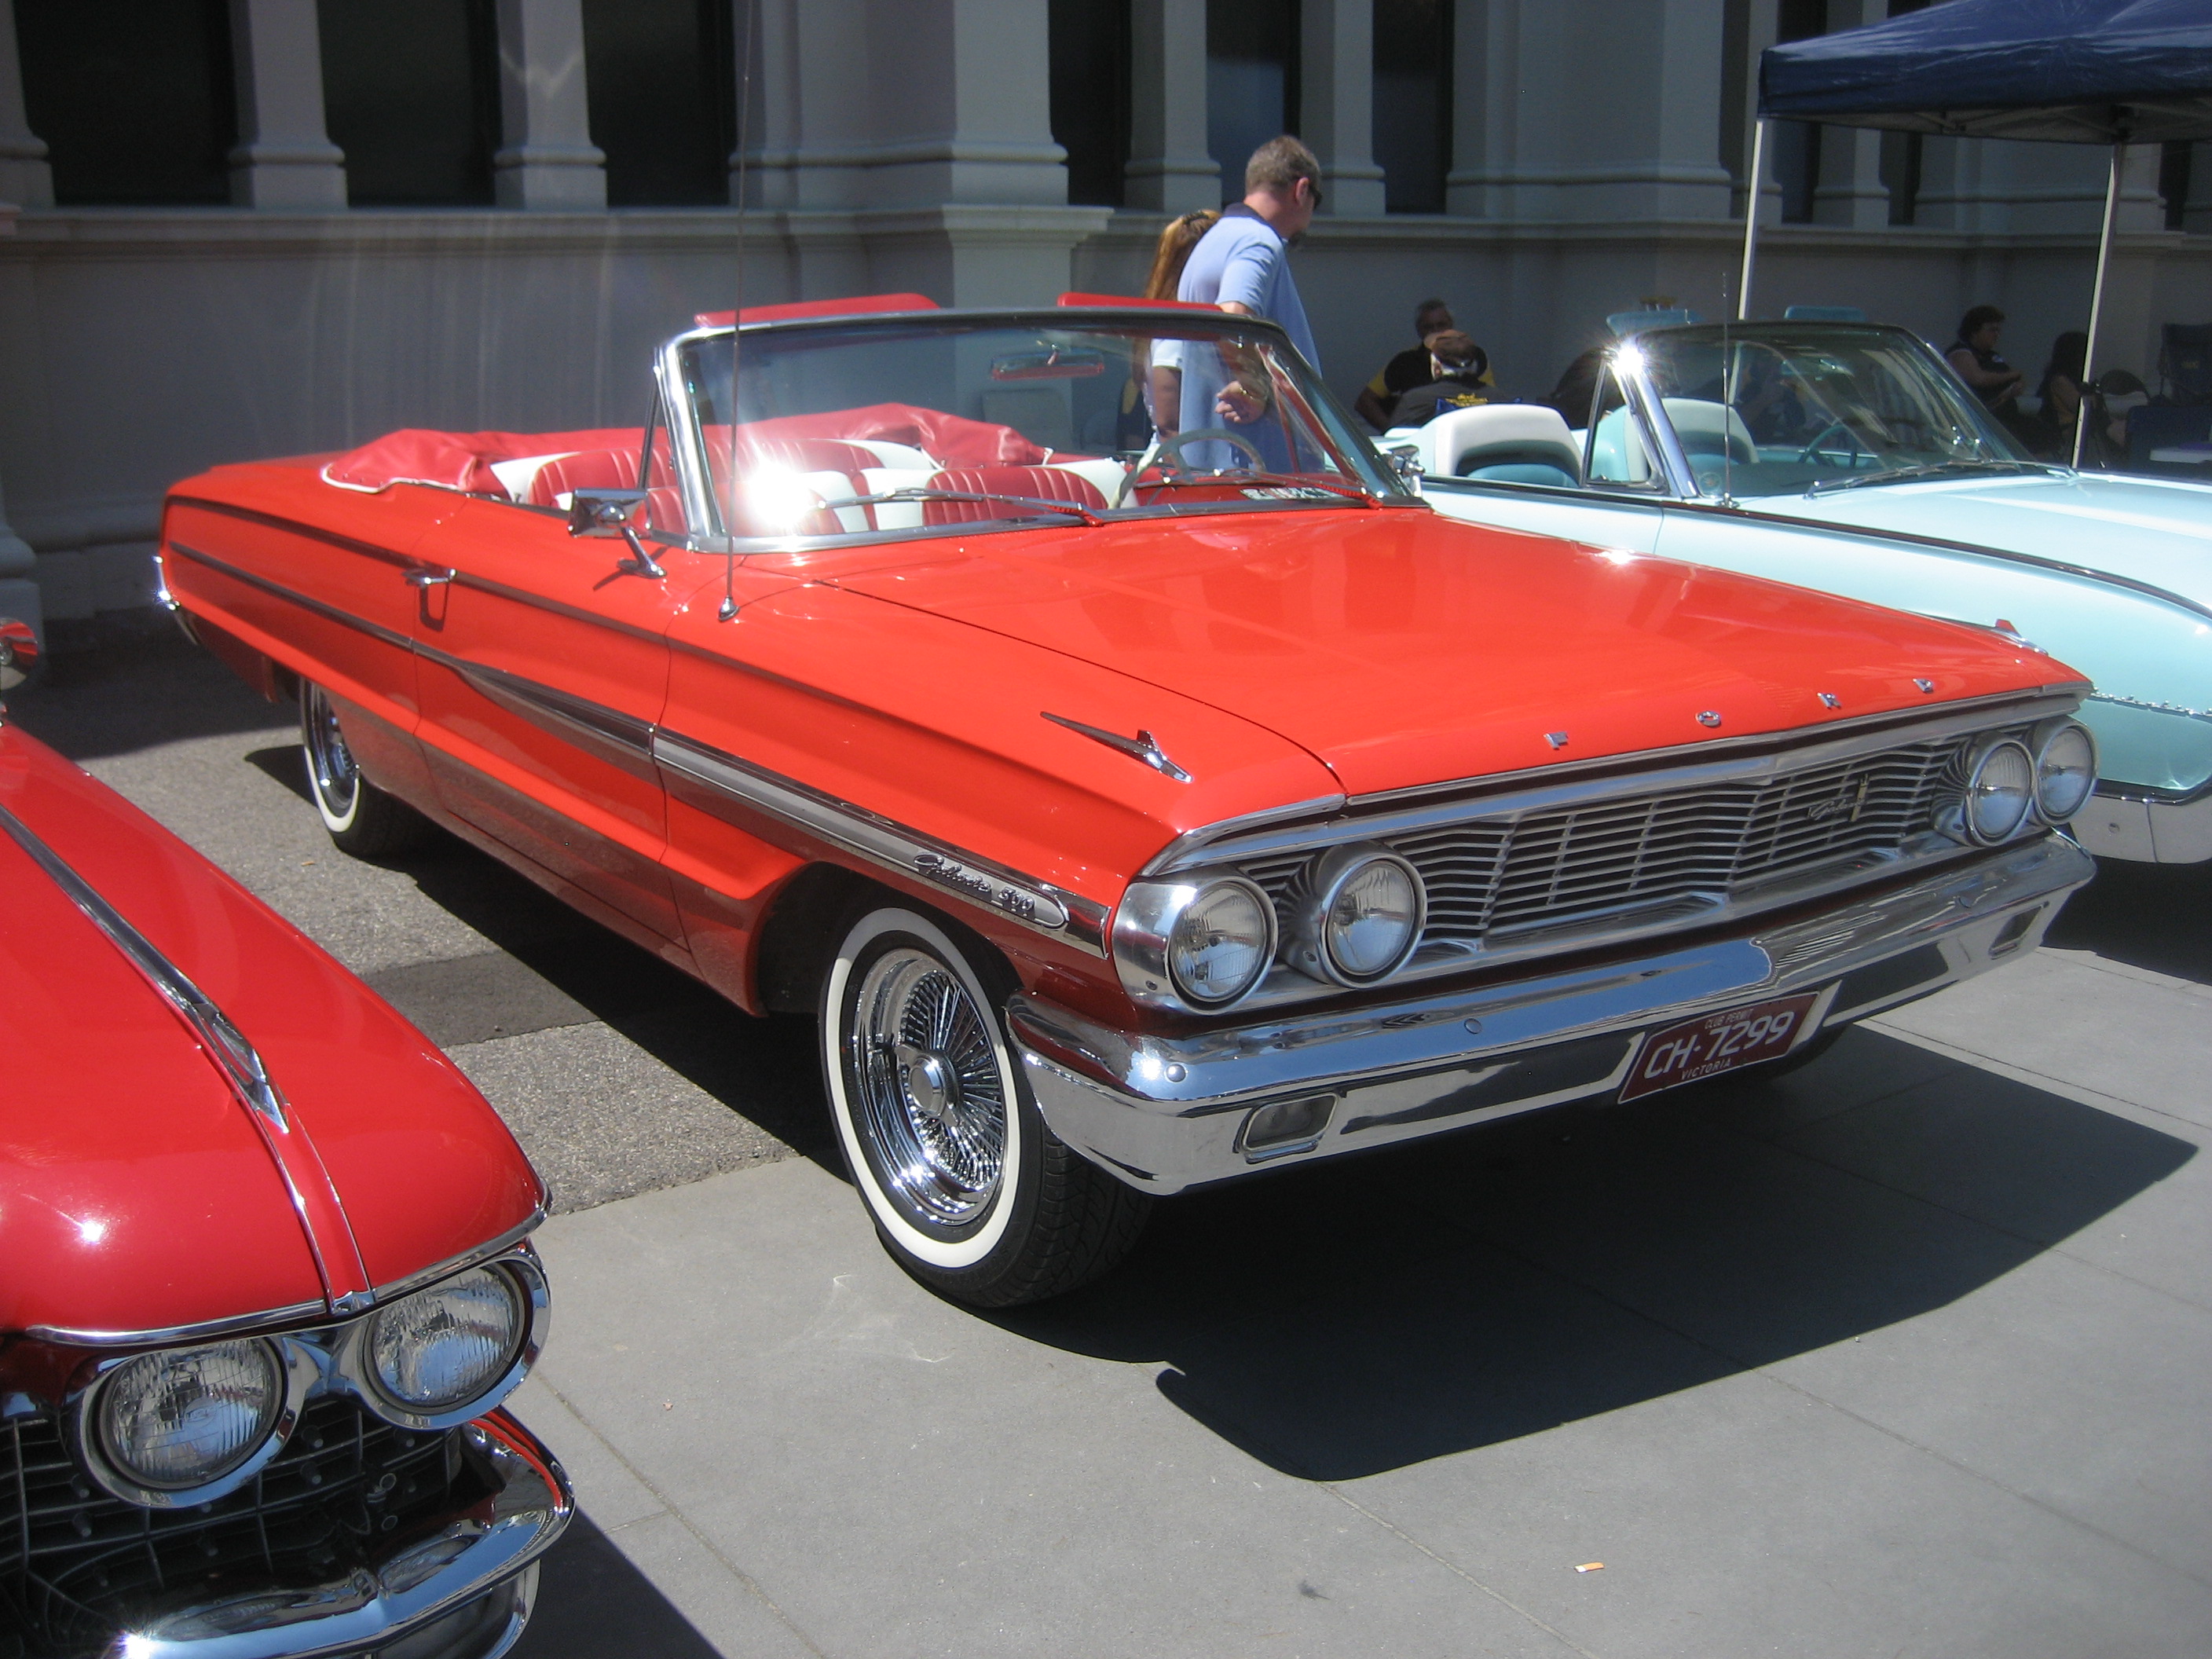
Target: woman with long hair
x=2059 y=394
x=1163 y=370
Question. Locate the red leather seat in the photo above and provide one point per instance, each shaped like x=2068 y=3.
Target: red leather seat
x=1051 y=484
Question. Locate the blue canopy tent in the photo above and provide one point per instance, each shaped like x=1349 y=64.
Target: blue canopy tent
x=2112 y=72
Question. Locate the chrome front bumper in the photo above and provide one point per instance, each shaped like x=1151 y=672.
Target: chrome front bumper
x=1171 y=1113
x=465 y=1592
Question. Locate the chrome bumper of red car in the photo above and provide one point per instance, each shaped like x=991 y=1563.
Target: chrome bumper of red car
x=1168 y=1114
x=463 y=1592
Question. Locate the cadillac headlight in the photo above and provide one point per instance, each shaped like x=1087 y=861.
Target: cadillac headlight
x=182 y=1419
x=2000 y=789
x=1222 y=942
x=1363 y=918
x=2065 y=768
x=445 y=1346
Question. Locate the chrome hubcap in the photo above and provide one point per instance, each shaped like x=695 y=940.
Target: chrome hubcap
x=330 y=763
x=931 y=1107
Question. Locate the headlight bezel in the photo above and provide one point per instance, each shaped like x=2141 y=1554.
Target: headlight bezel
x=296 y=1373
x=2039 y=741
x=353 y=1369
x=1144 y=929
x=1978 y=761
x=1310 y=949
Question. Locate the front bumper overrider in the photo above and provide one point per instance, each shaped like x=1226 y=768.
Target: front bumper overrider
x=1168 y=1113
x=463 y=1592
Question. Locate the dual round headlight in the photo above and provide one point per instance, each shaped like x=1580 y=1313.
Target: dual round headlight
x=1221 y=942
x=2050 y=775
x=440 y=1349
x=1362 y=915
x=184 y=1419
x=188 y=1424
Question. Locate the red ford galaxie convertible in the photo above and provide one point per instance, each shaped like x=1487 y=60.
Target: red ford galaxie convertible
x=1141 y=784
x=263 y=1275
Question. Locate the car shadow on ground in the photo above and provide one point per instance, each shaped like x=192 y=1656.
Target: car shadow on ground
x=2157 y=916
x=1344 y=1320
x=592 y=1603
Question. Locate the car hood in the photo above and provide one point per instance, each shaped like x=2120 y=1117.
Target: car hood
x=2157 y=530
x=137 y=1190
x=1399 y=648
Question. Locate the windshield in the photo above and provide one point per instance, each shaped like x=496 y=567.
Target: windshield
x=1772 y=411
x=847 y=428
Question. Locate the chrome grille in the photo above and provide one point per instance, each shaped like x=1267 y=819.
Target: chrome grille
x=1696 y=847
x=78 y=1567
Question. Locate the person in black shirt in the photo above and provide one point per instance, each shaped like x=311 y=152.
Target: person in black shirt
x=1974 y=354
x=1459 y=379
x=1376 y=403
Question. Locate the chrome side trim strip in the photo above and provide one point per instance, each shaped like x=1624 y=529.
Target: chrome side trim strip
x=622 y=738
x=1035 y=904
x=297 y=526
x=225 y=1044
x=278 y=590
x=207 y=1330
x=314 y=1199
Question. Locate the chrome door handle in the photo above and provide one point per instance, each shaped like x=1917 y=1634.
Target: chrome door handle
x=429 y=578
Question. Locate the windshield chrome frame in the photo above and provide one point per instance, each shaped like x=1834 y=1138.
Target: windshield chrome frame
x=1674 y=461
x=688 y=445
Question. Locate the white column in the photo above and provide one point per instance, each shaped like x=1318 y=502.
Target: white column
x=1590 y=110
x=1169 y=168
x=284 y=157
x=1336 y=101
x=25 y=177
x=546 y=161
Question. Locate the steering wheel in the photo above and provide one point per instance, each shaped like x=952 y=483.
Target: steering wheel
x=1171 y=447
x=1811 y=451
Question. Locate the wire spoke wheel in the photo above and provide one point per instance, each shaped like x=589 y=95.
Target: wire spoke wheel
x=969 y=1189
x=933 y=1107
x=332 y=771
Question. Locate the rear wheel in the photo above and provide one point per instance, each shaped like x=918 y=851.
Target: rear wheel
x=970 y=1190
x=361 y=818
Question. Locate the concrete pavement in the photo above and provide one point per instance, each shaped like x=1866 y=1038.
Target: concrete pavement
x=1909 y=1354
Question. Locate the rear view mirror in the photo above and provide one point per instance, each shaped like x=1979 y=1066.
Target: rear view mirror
x=1054 y=365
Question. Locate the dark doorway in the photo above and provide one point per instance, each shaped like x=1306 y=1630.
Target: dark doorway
x=411 y=94
x=133 y=98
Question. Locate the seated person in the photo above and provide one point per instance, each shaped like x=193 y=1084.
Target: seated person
x=1408 y=369
x=1459 y=378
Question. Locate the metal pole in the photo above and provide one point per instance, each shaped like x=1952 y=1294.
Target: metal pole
x=1751 y=219
x=2097 y=301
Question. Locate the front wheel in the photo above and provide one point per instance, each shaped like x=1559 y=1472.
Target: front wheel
x=970 y=1190
x=361 y=818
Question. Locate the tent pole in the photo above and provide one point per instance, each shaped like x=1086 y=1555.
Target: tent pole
x=2097 y=300
x=1751 y=219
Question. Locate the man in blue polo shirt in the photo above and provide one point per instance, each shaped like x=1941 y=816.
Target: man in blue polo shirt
x=1242 y=265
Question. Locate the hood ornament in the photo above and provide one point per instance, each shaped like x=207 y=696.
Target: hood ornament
x=1143 y=747
x=1709 y=717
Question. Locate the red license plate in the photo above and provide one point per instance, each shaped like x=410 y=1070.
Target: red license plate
x=1713 y=1043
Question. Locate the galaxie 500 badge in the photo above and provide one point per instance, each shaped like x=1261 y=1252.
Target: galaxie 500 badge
x=1033 y=908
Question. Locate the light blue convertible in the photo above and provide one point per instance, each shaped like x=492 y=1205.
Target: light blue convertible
x=1848 y=457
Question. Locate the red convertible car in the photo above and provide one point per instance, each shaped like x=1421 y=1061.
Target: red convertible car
x=265 y=1275
x=1143 y=787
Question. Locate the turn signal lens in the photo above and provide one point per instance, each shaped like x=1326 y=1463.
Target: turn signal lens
x=1222 y=942
x=1374 y=918
x=2065 y=770
x=1999 y=791
x=445 y=1346
x=177 y=1420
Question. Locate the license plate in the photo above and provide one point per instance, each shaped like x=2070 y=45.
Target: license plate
x=1713 y=1043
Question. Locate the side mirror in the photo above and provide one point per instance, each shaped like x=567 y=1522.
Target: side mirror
x=20 y=654
x=1404 y=461
x=621 y=512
